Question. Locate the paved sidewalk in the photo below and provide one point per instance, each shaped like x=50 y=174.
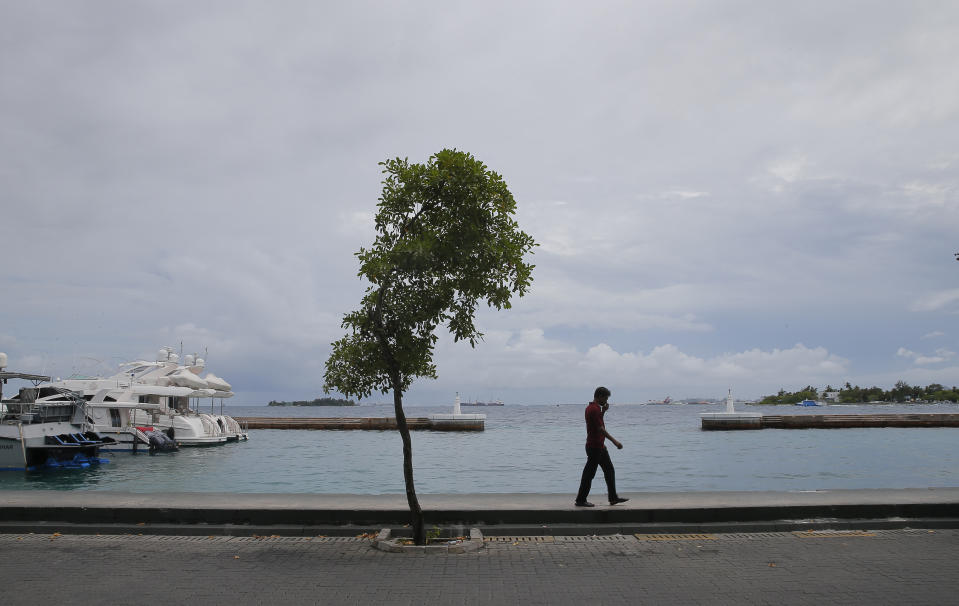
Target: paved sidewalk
x=914 y=566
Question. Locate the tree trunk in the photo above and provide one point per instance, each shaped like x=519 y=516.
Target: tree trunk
x=416 y=514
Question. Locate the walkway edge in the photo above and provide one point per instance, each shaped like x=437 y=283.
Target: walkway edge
x=195 y=513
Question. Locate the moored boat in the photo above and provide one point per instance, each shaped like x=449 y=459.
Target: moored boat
x=45 y=434
x=160 y=394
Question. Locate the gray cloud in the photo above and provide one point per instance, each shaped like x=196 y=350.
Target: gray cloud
x=699 y=177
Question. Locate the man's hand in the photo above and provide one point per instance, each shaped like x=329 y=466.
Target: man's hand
x=618 y=444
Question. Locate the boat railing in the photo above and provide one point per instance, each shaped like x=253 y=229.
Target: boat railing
x=28 y=409
x=139 y=437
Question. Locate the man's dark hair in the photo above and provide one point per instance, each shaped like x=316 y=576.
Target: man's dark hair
x=601 y=392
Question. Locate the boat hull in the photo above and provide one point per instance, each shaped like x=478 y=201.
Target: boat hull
x=33 y=446
x=12 y=454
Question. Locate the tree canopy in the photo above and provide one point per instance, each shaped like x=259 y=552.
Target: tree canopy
x=446 y=241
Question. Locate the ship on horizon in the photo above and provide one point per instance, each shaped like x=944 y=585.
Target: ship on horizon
x=667 y=400
x=490 y=403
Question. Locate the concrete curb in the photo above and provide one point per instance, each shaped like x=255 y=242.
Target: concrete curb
x=351 y=515
x=383 y=542
x=241 y=530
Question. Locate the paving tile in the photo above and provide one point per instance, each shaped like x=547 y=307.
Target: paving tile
x=907 y=566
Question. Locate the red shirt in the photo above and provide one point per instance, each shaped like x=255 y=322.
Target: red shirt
x=595 y=436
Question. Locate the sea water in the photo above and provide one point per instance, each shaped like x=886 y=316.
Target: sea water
x=536 y=449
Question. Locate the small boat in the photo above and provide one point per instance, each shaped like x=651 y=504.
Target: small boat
x=50 y=434
x=809 y=403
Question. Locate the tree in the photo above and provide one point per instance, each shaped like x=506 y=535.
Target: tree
x=783 y=397
x=850 y=394
x=445 y=241
x=901 y=392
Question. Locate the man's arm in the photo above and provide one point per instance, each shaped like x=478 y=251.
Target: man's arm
x=615 y=442
x=602 y=430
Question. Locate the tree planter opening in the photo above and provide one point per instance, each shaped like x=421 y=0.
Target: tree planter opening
x=447 y=544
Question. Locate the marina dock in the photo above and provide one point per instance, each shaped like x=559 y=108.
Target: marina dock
x=721 y=421
x=436 y=422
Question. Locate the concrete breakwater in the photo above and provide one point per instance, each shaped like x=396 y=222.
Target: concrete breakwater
x=435 y=423
x=828 y=421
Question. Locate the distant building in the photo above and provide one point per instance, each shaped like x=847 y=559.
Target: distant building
x=830 y=396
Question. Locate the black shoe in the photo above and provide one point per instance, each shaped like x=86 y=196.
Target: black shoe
x=618 y=500
x=584 y=504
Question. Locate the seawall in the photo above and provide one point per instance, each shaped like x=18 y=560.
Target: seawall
x=463 y=422
x=826 y=421
x=346 y=515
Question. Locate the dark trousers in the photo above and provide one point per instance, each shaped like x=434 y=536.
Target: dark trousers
x=597 y=457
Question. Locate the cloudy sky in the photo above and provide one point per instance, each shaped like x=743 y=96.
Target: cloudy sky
x=744 y=195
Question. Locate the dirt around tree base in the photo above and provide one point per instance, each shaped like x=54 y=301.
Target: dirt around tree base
x=384 y=542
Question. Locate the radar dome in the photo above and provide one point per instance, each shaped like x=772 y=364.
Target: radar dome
x=162 y=355
x=188 y=360
x=200 y=362
x=3 y=361
x=174 y=357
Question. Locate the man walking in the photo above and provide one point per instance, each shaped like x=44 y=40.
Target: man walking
x=596 y=453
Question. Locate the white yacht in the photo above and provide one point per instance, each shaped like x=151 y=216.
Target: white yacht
x=52 y=433
x=162 y=396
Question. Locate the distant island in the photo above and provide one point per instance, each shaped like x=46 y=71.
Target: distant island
x=316 y=402
x=853 y=394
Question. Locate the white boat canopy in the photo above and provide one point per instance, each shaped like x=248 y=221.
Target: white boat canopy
x=159 y=390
